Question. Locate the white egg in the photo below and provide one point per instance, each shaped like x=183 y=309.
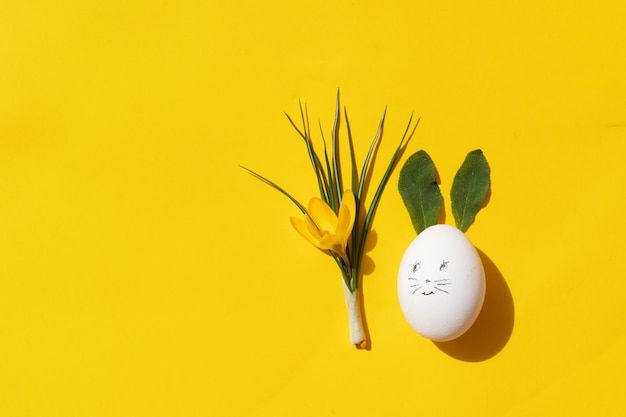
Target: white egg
x=441 y=283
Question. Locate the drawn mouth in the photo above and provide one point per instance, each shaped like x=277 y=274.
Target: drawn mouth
x=427 y=293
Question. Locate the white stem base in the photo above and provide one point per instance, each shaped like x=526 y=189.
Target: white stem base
x=357 y=333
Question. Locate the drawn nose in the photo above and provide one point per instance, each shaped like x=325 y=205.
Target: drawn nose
x=427 y=281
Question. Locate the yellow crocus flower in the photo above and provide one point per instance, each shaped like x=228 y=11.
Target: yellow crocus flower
x=330 y=231
x=325 y=229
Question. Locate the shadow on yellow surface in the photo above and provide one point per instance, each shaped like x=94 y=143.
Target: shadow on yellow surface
x=367 y=268
x=493 y=327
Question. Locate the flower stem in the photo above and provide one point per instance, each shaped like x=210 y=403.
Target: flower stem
x=355 y=321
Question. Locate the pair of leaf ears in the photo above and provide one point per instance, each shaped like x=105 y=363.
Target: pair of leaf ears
x=421 y=195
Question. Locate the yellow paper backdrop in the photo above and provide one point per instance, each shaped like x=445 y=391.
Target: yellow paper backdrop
x=143 y=273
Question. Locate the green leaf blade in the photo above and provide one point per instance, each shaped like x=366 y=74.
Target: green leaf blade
x=369 y=157
x=353 y=168
x=335 y=152
x=305 y=133
x=277 y=188
x=369 y=217
x=419 y=190
x=469 y=189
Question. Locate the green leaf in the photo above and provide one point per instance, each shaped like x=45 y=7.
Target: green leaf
x=469 y=189
x=332 y=200
x=419 y=190
x=369 y=217
x=335 y=153
x=373 y=145
x=305 y=133
x=353 y=169
x=277 y=188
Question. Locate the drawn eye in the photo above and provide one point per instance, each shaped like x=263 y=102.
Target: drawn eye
x=444 y=264
x=416 y=267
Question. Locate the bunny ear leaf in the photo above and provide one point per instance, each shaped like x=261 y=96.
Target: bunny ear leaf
x=419 y=190
x=469 y=189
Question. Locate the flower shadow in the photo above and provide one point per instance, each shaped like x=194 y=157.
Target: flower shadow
x=493 y=328
x=367 y=263
x=367 y=268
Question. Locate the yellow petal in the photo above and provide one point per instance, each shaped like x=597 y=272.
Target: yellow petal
x=333 y=242
x=347 y=211
x=301 y=227
x=313 y=230
x=349 y=200
x=323 y=216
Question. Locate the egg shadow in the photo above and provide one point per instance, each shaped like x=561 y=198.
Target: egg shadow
x=493 y=328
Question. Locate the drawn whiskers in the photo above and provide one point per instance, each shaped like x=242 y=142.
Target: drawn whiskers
x=440 y=283
x=417 y=287
x=436 y=284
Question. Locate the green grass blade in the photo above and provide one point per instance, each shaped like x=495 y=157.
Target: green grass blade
x=369 y=217
x=311 y=152
x=293 y=124
x=370 y=152
x=353 y=168
x=338 y=183
x=353 y=247
x=278 y=188
x=315 y=160
x=322 y=182
x=332 y=196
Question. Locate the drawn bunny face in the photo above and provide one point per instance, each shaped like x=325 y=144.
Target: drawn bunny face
x=441 y=283
x=428 y=283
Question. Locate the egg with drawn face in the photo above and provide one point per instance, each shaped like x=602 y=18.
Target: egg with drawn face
x=441 y=283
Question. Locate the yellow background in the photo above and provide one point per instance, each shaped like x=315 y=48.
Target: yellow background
x=143 y=273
